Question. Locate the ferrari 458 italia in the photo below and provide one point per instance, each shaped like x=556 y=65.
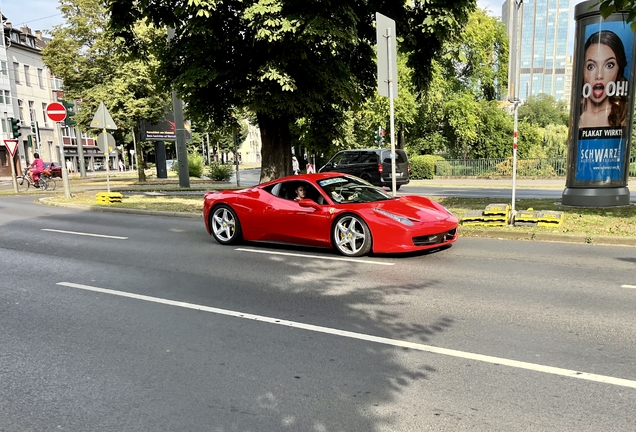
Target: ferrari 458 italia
x=330 y=210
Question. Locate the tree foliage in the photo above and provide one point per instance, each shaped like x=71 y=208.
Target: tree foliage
x=459 y=113
x=83 y=54
x=284 y=60
x=608 y=7
x=543 y=110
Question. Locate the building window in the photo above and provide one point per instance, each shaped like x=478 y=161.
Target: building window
x=41 y=78
x=21 y=109
x=56 y=84
x=44 y=116
x=5 y=128
x=16 y=71
x=27 y=75
x=2 y=98
x=7 y=97
x=32 y=111
x=5 y=68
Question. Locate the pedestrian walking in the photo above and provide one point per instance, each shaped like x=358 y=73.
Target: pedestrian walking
x=295 y=165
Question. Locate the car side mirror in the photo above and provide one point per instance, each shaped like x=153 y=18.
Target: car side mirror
x=309 y=203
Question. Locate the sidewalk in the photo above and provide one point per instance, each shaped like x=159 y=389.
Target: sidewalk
x=557 y=183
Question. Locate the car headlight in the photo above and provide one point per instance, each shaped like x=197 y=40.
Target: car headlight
x=401 y=219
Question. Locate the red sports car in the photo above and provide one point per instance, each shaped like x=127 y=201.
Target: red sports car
x=55 y=168
x=333 y=210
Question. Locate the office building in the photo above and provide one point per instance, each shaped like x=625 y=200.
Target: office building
x=543 y=33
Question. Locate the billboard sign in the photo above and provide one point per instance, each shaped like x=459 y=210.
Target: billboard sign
x=603 y=114
x=601 y=109
x=164 y=130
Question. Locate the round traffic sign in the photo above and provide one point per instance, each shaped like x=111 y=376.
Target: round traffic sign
x=56 y=111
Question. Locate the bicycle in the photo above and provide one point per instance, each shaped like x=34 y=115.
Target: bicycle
x=25 y=181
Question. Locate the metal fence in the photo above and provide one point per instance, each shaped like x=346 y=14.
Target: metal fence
x=529 y=168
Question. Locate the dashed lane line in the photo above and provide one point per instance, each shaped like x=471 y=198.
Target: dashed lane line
x=85 y=234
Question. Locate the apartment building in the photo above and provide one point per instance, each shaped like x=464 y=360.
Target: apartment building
x=6 y=107
x=31 y=92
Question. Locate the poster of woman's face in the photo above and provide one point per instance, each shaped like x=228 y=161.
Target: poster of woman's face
x=604 y=96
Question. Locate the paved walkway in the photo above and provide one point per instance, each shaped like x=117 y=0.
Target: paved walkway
x=249 y=179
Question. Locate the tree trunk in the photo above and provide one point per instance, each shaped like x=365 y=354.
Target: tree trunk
x=276 y=150
x=140 y=158
x=401 y=136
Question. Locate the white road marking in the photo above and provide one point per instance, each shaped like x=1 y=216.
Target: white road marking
x=360 y=336
x=629 y=286
x=316 y=257
x=85 y=234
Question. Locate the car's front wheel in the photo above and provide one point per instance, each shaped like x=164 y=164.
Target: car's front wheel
x=351 y=236
x=225 y=225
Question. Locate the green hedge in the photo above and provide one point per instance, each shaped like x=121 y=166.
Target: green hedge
x=423 y=166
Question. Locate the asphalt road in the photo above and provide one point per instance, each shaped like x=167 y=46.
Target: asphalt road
x=126 y=322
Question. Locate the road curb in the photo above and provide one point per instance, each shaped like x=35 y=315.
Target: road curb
x=47 y=201
x=483 y=233
x=549 y=237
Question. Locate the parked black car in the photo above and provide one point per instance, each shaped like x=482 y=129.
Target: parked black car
x=372 y=165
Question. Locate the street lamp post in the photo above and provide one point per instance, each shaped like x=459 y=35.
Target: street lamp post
x=513 y=96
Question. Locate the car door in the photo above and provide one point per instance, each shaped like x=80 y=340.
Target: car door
x=288 y=222
x=334 y=163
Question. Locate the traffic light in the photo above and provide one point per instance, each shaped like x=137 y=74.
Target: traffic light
x=382 y=135
x=376 y=138
x=70 y=112
x=15 y=127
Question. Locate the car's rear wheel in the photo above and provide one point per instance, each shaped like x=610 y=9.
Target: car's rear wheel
x=351 y=236
x=225 y=225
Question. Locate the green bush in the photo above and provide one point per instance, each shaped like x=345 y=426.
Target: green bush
x=423 y=166
x=527 y=168
x=195 y=165
x=220 y=172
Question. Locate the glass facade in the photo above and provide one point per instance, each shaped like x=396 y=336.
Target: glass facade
x=543 y=47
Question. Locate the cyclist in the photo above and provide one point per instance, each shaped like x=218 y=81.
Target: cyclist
x=36 y=168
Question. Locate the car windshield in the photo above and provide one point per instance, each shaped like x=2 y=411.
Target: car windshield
x=347 y=189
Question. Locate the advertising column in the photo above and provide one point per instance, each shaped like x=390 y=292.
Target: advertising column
x=601 y=110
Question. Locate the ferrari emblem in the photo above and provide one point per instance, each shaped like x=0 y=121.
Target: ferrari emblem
x=331 y=210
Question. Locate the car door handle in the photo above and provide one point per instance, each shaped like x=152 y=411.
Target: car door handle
x=269 y=207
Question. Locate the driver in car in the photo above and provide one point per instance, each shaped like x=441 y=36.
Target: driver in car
x=301 y=193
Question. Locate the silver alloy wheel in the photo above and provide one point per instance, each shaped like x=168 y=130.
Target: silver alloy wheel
x=351 y=236
x=224 y=224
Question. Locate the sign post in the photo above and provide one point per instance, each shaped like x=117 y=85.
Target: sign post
x=387 y=74
x=57 y=113
x=103 y=120
x=12 y=146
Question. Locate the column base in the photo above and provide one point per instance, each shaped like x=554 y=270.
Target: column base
x=595 y=197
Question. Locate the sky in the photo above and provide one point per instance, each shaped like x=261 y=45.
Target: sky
x=43 y=14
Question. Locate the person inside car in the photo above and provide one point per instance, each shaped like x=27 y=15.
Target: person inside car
x=301 y=193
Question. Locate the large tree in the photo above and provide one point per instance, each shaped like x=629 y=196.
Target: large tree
x=83 y=54
x=283 y=60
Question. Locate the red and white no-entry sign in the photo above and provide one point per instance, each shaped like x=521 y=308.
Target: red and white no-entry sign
x=12 y=146
x=56 y=111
